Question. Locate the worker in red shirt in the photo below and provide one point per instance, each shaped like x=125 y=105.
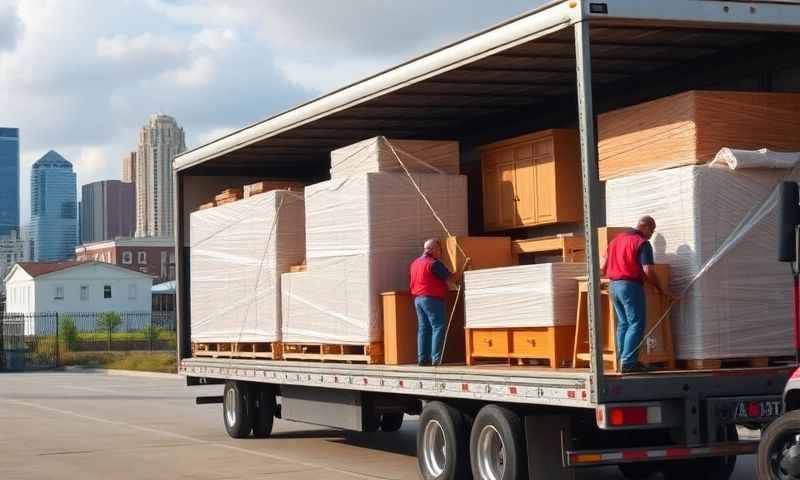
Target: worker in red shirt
x=628 y=264
x=428 y=286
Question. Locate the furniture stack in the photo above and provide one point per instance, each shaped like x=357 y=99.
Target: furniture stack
x=653 y=156
x=363 y=228
x=238 y=251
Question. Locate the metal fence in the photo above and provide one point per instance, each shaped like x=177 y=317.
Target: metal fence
x=35 y=341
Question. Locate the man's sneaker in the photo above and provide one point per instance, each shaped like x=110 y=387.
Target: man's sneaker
x=637 y=367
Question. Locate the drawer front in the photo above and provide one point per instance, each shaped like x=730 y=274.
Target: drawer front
x=532 y=341
x=489 y=343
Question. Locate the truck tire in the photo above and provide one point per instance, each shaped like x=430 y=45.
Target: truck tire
x=265 y=410
x=391 y=421
x=237 y=409
x=778 y=455
x=497 y=445
x=442 y=450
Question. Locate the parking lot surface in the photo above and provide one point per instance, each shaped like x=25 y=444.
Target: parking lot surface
x=75 y=425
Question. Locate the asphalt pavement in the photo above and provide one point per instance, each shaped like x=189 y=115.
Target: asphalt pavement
x=78 y=425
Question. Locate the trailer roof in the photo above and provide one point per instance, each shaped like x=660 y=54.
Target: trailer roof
x=520 y=65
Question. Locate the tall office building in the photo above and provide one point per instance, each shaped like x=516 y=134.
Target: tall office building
x=54 y=224
x=129 y=168
x=107 y=210
x=160 y=140
x=9 y=180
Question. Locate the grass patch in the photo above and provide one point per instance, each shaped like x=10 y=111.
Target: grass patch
x=165 y=362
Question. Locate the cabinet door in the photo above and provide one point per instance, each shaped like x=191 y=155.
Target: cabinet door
x=544 y=160
x=524 y=185
x=506 y=202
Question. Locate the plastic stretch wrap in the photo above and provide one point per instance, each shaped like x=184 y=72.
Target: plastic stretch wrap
x=375 y=155
x=237 y=253
x=724 y=222
x=541 y=295
x=362 y=234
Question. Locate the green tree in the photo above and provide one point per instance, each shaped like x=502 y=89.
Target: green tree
x=108 y=322
x=69 y=333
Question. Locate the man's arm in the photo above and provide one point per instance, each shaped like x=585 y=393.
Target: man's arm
x=648 y=265
x=603 y=263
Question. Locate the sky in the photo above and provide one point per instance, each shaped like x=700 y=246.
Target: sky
x=81 y=76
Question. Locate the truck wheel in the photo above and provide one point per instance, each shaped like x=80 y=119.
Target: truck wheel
x=265 y=409
x=392 y=421
x=237 y=409
x=717 y=468
x=442 y=452
x=497 y=445
x=779 y=450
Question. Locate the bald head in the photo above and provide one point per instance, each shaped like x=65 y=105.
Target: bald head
x=433 y=248
x=646 y=225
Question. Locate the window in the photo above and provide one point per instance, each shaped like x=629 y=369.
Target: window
x=106 y=291
x=59 y=293
x=127 y=257
x=141 y=257
x=84 y=292
x=131 y=292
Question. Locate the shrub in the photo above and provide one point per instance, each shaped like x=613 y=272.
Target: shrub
x=69 y=333
x=108 y=322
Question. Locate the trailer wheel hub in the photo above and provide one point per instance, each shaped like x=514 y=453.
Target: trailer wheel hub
x=789 y=458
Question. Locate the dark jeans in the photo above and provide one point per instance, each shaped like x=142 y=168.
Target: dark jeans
x=431 y=329
x=630 y=307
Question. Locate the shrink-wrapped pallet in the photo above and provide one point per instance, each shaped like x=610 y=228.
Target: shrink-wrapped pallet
x=540 y=295
x=237 y=254
x=691 y=127
x=741 y=305
x=362 y=234
x=375 y=155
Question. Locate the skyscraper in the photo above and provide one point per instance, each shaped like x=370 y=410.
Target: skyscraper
x=108 y=210
x=9 y=180
x=54 y=227
x=160 y=140
x=129 y=168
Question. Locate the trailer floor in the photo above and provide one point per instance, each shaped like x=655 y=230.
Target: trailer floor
x=94 y=426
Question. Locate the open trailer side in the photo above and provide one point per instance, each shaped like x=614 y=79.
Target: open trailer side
x=559 y=65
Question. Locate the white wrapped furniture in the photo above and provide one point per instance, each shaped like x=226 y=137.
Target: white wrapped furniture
x=522 y=314
x=375 y=155
x=237 y=254
x=741 y=307
x=362 y=232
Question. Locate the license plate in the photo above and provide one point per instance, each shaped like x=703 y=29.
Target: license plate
x=758 y=409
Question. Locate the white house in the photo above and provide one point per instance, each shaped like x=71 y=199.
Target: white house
x=76 y=287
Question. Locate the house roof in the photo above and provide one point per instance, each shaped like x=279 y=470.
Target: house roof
x=36 y=269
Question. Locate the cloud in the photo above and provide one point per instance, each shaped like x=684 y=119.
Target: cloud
x=10 y=26
x=81 y=77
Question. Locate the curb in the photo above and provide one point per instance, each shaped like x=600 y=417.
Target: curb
x=122 y=373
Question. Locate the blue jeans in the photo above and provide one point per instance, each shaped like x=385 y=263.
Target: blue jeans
x=431 y=329
x=630 y=307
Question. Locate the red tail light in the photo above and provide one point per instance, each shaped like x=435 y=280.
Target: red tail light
x=626 y=416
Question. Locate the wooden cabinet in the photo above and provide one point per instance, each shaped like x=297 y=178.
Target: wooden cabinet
x=532 y=180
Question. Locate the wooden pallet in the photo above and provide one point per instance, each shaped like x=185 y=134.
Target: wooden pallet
x=548 y=346
x=228 y=195
x=371 y=353
x=271 y=350
x=745 y=362
x=269 y=185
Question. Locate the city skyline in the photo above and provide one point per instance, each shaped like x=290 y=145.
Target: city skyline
x=108 y=210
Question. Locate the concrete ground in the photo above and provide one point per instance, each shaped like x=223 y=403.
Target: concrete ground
x=96 y=426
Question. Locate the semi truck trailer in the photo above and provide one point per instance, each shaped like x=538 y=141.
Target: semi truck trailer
x=559 y=65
